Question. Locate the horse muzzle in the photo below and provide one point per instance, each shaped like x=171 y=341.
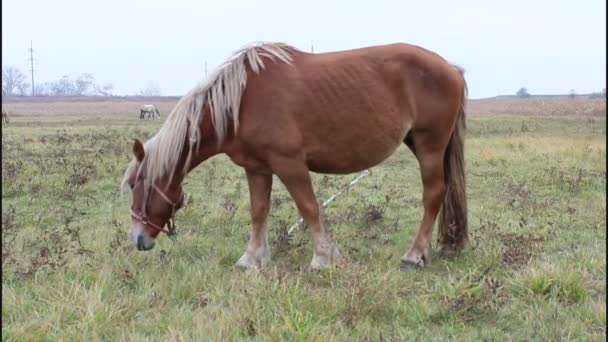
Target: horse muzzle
x=140 y=238
x=142 y=245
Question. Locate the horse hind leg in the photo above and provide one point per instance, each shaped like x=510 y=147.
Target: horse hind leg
x=434 y=188
x=442 y=171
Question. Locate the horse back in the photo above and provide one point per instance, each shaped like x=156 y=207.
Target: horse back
x=325 y=105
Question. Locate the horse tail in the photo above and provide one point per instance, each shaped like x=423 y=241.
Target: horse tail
x=453 y=215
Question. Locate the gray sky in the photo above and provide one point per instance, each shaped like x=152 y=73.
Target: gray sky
x=548 y=46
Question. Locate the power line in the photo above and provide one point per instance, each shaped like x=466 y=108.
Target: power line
x=32 y=65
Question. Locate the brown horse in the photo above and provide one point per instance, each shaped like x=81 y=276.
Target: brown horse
x=277 y=110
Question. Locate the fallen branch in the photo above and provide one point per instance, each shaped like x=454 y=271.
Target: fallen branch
x=333 y=197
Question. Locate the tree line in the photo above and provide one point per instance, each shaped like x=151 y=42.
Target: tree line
x=524 y=93
x=15 y=83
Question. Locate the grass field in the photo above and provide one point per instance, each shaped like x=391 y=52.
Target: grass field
x=535 y=268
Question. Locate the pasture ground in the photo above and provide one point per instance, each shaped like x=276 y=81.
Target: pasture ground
x=535 y=267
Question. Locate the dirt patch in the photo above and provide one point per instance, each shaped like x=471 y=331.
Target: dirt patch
x=472 y=297
x=201 y=300
x=248 y=327
x=518 y=249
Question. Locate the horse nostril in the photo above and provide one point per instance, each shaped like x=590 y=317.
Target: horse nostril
x=140 y=243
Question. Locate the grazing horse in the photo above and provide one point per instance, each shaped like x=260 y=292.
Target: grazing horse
x=276 y=110
x=5 y=115
x=150 y=110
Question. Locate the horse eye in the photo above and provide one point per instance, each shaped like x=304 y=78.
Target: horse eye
x=131 y=186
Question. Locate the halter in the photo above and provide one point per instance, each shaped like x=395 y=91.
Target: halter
x=143 y=218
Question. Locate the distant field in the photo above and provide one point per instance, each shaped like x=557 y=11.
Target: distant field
x=79 y=106
x=541 y=106
x=535 y=268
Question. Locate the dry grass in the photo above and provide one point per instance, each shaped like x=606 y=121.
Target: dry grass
x=534 y=268
x=540 y=106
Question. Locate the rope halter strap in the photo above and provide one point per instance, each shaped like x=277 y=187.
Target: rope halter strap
x=170 y=226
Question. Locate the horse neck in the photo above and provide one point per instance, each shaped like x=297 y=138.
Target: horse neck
x=176 y=178
x=207 y=148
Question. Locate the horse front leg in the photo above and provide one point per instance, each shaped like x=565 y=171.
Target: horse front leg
x=295 y=176
x=257 y=253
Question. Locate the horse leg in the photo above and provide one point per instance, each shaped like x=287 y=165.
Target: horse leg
x=295 y=176
x=258 y=251
x=430 y=156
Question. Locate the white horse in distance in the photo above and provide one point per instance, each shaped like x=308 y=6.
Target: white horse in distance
x=5 y=115
x=150 y=110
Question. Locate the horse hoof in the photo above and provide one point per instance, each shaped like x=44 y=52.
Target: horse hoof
x=325 y=257
x=246 y=262
x=447 y=251
x=408 y=266
x=319 y=263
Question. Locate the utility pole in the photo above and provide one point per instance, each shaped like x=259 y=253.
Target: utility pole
x=32 y=65
x=312 y=47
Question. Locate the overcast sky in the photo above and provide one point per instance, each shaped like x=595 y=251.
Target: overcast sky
x=548 y=46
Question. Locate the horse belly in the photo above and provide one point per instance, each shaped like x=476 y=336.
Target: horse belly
x=349 y=150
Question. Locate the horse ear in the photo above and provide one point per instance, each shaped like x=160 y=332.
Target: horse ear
x=138 y=150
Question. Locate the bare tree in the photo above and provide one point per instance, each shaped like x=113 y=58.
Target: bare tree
x=43 y=89
x=523 y=92
x=84 y=85
x=151 y=90
x=63 y=87
x=13 y=81
x=105 y=90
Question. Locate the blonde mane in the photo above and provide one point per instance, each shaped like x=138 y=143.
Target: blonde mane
x=222 y=93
